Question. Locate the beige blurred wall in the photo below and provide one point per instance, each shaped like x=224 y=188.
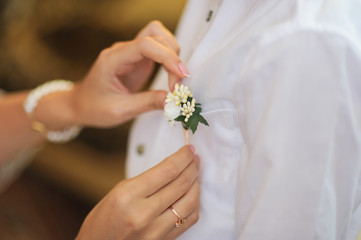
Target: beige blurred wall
x=46 y=39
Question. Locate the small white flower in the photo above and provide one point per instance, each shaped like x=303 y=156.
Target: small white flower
x=188 y=109
x=181 y=103
x=181 y=94
x=170 y=98
x=171 y=111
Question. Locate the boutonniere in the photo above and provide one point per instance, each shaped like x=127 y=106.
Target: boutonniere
x=182 y=107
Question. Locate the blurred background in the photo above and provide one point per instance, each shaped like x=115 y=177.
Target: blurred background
x=41 y=40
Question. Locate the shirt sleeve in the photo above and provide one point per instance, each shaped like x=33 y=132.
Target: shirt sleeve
x=300 y=117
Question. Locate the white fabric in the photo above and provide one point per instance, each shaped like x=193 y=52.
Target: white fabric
x=280 y=85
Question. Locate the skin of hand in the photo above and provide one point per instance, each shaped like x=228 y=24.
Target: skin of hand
x=108 y=94
x=138 y=208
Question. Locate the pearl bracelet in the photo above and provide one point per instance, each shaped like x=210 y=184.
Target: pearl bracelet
x=32 y=101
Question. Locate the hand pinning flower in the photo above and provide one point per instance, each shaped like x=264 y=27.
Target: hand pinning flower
x=182 y=107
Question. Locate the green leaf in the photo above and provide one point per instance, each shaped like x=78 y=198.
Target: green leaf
x=193 y=122
x=180 y=118
x=203 y=120
x=197 y=110
x=185 y=125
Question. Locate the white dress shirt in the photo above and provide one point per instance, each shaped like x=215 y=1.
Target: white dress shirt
x=280 y=85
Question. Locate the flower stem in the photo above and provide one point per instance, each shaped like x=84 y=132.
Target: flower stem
x=186 y=136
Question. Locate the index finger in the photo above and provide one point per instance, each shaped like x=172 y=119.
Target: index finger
x=165 y=172
x=125 y=54
x=157 y=28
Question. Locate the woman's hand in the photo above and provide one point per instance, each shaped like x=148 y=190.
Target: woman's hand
x=138 y=208
x=107 y=96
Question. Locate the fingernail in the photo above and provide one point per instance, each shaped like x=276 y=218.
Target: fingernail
x=192 y=149
x=184 y=70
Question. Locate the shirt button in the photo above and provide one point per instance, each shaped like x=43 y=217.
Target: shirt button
x=210 y=13
x=140 y=149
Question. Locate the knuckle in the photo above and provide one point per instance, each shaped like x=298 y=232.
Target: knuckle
x=144 y=41
x=171 y=170
x=111 y=115
x=123 y=200
x=153 y=101
x=196 y=217
x=131 y=223
x=155 y=24
x=136 y=220
x=118 y=45
x=135 y=217
x=105 y=53
x=177 y=48
x=194 y=169
x=123 y=197
x=156 y=99
x=193 y=202
x=124 y=207
x=184 y=181
x=161 y=39
x=114 y=112
x=114 y=45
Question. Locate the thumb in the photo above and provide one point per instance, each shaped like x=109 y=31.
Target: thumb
x=146 y=101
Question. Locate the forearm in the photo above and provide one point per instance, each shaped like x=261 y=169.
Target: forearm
x=16 y=134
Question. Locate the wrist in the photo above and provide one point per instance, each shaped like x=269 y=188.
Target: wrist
x=55 y=110
x=51 y=112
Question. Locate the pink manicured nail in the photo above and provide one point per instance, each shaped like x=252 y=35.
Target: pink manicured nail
x=184 y=70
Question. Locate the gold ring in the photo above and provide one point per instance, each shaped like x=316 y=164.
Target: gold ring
x=180 y=219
